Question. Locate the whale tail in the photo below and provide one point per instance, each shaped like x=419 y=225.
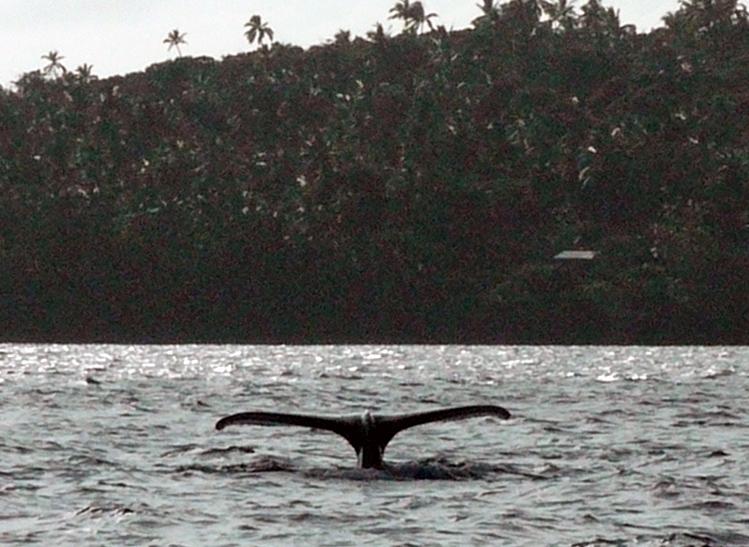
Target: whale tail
x=367 y=434
x=392 y=425
x=346 y=427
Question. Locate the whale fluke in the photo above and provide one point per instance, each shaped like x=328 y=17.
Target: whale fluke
x=368 y=434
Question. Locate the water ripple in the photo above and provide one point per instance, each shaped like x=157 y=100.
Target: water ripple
x=607 y=446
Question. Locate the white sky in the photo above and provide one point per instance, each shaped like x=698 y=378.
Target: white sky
x=121 y=36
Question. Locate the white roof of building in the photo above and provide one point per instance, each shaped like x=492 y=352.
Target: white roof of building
x=576 y=255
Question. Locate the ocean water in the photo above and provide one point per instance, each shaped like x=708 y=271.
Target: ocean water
x=116 y=445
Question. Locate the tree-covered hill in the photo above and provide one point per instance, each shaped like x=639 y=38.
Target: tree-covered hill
x=395 y=188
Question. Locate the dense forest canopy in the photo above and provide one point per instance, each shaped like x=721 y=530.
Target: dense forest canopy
x=413 y=187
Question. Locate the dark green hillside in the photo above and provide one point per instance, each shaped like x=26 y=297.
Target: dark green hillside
x=399 y=188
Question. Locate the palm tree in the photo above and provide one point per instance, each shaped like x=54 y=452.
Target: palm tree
x=600 y=20
x=174 y=39
x=342 y=37
x=85 y=72
x=560 y=12
x=413 y=14
x=258 y=30
x=400 y=10
x=377 y=35
x=420 y=17
x=490 y=13
x=54 y=65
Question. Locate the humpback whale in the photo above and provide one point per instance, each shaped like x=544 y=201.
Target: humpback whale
x=367 y=433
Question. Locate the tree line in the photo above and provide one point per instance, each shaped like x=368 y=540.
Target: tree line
x=400 y=188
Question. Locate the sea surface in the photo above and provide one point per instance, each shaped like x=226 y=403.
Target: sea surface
x=116 y=445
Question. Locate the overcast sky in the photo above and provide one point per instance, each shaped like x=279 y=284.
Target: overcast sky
x=121 y=36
